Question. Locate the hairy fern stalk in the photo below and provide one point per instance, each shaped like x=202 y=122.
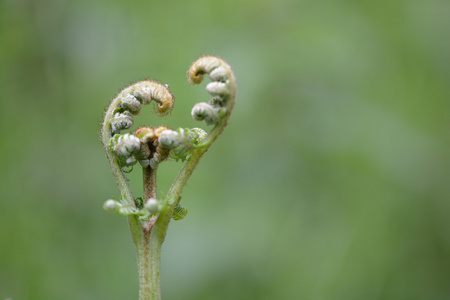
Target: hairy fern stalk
x=149 y=216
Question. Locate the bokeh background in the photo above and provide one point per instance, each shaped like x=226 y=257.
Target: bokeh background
x=330 y=182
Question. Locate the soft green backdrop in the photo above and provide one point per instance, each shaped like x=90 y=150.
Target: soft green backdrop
x=332 y=180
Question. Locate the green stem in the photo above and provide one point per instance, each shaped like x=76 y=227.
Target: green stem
x=149 y=247
x=148 y=254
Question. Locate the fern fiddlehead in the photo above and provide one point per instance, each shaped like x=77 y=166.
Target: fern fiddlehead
x=222 y=89
x=149 y=217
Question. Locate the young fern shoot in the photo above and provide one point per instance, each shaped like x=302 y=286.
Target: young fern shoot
x=149 y=217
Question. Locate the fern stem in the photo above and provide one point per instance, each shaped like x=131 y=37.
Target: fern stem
x=149 y=247
x=148 y=253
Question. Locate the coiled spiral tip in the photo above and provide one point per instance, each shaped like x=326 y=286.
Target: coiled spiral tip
x=222 y=88
x=204 y=65
x=147 y=90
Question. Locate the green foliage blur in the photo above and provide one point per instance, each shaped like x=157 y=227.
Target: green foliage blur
x=330 y=182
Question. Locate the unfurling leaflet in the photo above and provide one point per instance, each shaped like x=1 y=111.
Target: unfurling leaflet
x=179 y=212
x=222 y=89
x=124 y=147
x=182 y=141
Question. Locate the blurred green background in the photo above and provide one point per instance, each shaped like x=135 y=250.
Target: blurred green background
x=330 y=182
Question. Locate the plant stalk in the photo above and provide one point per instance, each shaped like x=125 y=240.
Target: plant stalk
x=148 y=247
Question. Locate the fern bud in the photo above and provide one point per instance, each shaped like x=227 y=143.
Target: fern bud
x=147 y=90
x=182 y=141
x=196 y=135
x=130 y=103
x=111 y=206
x=217 y=88
x=203 y=65
x=145 y=134
x=150 y=152
x=169 y=139
x=205 y=111
x=153 y=206
x=120 y=121
x=124 y=146
x=218 y=74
